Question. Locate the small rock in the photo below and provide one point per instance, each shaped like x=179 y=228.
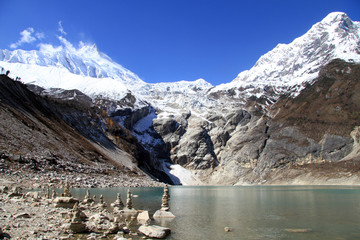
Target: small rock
x=228 y=229
x=34 y=195
x=298 y=230
x=22 y=215
x=126 y=230
x=4 y=189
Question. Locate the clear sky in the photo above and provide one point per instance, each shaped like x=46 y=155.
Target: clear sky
x=168 y=40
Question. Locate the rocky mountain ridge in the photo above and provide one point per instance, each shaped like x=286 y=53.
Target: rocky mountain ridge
x=55 y=138
x=240 y=132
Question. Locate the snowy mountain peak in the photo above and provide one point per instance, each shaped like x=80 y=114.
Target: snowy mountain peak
x=65 y=66
x=202 y=82
x=334 y=17
x=283 y=69
x=288 y=66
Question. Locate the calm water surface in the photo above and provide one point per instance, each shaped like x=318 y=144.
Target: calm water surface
x=254 y=212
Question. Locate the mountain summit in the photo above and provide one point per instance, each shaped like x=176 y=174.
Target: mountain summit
x=291 y=65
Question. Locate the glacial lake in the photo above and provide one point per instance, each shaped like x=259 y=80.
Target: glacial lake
x=253 y=212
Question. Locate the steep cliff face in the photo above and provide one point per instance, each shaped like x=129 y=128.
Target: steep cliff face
x=316 y=127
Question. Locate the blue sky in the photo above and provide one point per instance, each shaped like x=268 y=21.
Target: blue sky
x=168 y=40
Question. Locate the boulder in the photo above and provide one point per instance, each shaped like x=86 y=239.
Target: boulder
x=163 y=214
x=4 y=189
x=143 y=217
x=34 y=195
x=75 y=227
x=154 y=231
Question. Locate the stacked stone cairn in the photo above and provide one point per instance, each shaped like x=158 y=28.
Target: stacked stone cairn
x=66 y=190
x=87 y=199
x=66 y=200
x=102 y=204
x=154 y=231
x=128 y=210
x=118 y=205
x=77 y=224
x=164 y=211
x=100 y=223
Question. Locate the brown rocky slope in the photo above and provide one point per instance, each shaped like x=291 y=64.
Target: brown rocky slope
x=51 y=140
x=310 y=139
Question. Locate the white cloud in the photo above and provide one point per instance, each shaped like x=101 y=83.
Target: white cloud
x=61 y=29
x=48 y=48
x=27 y=36
x=40 y=35
x=66 y=43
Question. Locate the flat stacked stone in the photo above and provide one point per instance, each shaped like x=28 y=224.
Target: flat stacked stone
x=128 y=210
x=164 y=211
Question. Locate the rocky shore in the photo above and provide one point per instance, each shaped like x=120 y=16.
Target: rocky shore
x=43 y=215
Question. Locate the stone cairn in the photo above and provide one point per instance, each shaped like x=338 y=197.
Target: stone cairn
x=128 y=208
x=66 y=200
x=165 y=199
x=128 y=200
x=118 y=204
x=77 y=224
x=66 y=190
x=87 y=199
x=164 y=210
x=102 y=203
x=54 y=195
x=48 y=193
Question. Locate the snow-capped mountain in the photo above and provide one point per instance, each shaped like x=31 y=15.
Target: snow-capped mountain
x=285 y=68
x=192 y=123
x=84 y=68
x=291 y=65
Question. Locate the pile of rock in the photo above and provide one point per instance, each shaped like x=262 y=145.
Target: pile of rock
x=164 y=211
x=118 y=205
x=66 y=215
x=128 y=210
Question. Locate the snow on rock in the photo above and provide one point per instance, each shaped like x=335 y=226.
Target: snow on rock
x=180 y=175
x=185 y=176
x=65 y=66
x=54 y=77
x=290 y=65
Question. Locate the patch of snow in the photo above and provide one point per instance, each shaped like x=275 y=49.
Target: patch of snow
x=180 y=175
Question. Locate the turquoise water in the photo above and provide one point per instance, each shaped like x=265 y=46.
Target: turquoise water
x=254 y=212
